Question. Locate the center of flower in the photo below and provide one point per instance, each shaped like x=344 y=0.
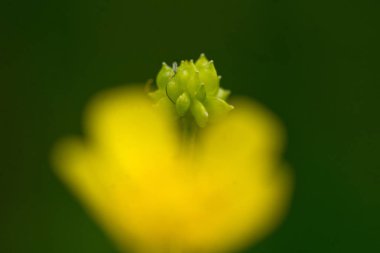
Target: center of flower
x=193 y=89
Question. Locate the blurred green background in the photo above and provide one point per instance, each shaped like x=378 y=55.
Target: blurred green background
x=314 y=63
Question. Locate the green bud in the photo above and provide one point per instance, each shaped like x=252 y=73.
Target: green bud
x=202 y=61
x=193 y=90
x=163 y=77
x=217 y=107
x=209 y=77
x=183 y=103
x=223 y=94
x=200 y=113
x=201 y=93
x=188 y=77
x=173 y=90
x=208 y=74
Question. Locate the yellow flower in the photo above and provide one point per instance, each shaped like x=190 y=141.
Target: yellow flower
x=152 y=192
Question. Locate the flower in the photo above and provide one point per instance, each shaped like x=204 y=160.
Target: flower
x=153 y=190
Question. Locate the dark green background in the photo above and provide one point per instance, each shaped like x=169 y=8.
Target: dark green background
x=314 y=63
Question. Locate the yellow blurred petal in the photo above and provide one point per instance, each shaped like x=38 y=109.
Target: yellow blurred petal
x=84 y=171
x=123 y=124
x=154 y=196
x=248 y=133
x=242 y=177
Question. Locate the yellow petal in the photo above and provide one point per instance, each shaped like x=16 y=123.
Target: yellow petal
x=132 y=176
x=243 y=183
x=124 y=126
x=84 y=172
x=124 y=167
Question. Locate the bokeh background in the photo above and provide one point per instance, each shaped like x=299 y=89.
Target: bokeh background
x=314 y=63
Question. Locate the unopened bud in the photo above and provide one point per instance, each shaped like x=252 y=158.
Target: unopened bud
x=163 y=77
x=173 y=90
x=193 y=90
x=183 y=104
x=200 y=113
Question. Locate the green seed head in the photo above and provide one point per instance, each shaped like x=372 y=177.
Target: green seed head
x=193 y=89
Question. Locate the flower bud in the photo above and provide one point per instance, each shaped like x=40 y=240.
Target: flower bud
x=163 y=77
x=201 y=93
x=200 y=113
x=202 y=61
x=173 y=90
x=188 y=77
x=183 y=104
x=223 y=94
x=207 y=74
x=193 y=90
x=217 y=107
